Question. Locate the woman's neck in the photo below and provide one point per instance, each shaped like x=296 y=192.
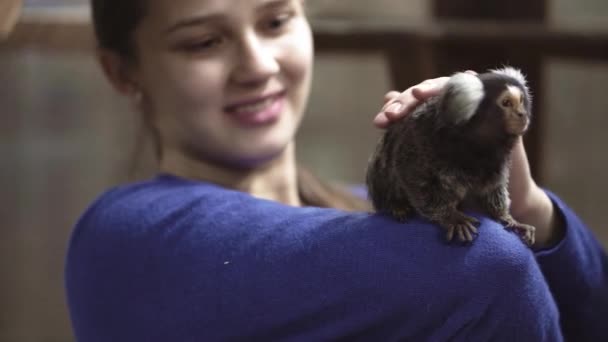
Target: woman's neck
x=275 y=180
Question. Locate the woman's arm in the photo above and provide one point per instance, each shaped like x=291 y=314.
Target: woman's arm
x=173 y=260
x=576 y=269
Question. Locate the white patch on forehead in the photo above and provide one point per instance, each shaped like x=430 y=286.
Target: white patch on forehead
x=515 y=91
x=513 y=73
x=462 y=95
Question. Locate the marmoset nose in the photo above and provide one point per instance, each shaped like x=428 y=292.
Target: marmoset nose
x=255 y=61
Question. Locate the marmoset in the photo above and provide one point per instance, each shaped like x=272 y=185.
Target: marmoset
x=454 y=149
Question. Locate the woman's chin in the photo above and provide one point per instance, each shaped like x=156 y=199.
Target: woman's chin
x=262 y=151
x=251 y=159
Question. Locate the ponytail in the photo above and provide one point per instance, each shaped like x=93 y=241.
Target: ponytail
x=315 y=192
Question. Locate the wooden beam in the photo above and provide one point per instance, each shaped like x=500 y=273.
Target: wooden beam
x=69 y=29
x=511 y=10
x=585 y=42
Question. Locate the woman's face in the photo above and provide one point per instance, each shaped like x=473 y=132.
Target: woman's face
x=224 y=81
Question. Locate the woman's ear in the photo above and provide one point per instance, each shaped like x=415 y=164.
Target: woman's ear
x=9 y=13
x=119 y=71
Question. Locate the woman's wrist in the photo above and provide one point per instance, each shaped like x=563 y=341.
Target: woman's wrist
x=538 y=210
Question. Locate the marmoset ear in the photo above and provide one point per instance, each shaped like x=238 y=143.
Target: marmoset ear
x=460 y=98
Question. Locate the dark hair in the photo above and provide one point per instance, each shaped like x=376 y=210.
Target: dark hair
x=114 y=22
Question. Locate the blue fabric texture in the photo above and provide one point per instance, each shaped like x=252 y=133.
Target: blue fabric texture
x=175 y=260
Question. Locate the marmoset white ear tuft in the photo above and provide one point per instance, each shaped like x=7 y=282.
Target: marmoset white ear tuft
x=461 y=97
x=513 y=73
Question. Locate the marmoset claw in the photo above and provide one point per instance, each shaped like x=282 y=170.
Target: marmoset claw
x=400 y=215
x=465 y=230
x=524 y=231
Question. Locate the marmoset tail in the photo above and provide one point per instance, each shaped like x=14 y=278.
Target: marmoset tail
x=454 y=147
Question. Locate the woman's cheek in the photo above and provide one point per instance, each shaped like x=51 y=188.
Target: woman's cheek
x=299 y=64
x=302 y=47
x=201 y=84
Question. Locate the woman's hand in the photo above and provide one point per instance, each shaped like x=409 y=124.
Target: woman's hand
x=397 y=105
x=529 y=203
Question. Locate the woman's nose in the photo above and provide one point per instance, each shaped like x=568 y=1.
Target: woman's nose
x=255 y=61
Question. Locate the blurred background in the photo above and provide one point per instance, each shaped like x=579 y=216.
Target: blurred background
x=65 y=136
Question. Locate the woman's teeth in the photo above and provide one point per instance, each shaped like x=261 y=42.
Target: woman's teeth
x=254 y=107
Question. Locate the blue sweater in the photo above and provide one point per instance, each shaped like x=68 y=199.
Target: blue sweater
x=175 y=260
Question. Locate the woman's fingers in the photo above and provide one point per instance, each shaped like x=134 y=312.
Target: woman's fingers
x=395 y=108
x=381 y=121
x=397 y=105
x=390 y=96
x=429 y=88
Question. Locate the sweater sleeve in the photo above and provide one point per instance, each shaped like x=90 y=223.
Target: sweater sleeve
x=576 y=270
x=181 y=262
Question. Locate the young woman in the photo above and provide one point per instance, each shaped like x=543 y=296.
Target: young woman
x=233 y=241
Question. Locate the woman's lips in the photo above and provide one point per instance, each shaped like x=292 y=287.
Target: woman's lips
x=258 y=112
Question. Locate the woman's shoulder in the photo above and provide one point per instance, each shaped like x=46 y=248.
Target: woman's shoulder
x=142 y=202
x=167 y=203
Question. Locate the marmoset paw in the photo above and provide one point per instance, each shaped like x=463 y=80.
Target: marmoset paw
x=524 y=231
x=465 y=230
x=400 y=215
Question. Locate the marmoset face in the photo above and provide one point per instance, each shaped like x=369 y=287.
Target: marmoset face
x=515 y=114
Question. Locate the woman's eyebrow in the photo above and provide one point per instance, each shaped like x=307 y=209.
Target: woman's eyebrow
x=193 y=21
x=274 y=4
x=203 y=19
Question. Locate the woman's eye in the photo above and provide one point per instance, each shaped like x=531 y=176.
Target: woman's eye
x=203 y=45
x=278 y=22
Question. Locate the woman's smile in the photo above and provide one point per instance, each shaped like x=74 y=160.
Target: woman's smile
x=259 y=111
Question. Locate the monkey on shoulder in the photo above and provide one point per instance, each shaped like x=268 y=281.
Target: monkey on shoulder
x=452 y=149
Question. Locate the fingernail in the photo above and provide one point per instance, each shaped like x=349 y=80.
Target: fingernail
x=424 y=88
x=394 y=108
x=380 y=120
